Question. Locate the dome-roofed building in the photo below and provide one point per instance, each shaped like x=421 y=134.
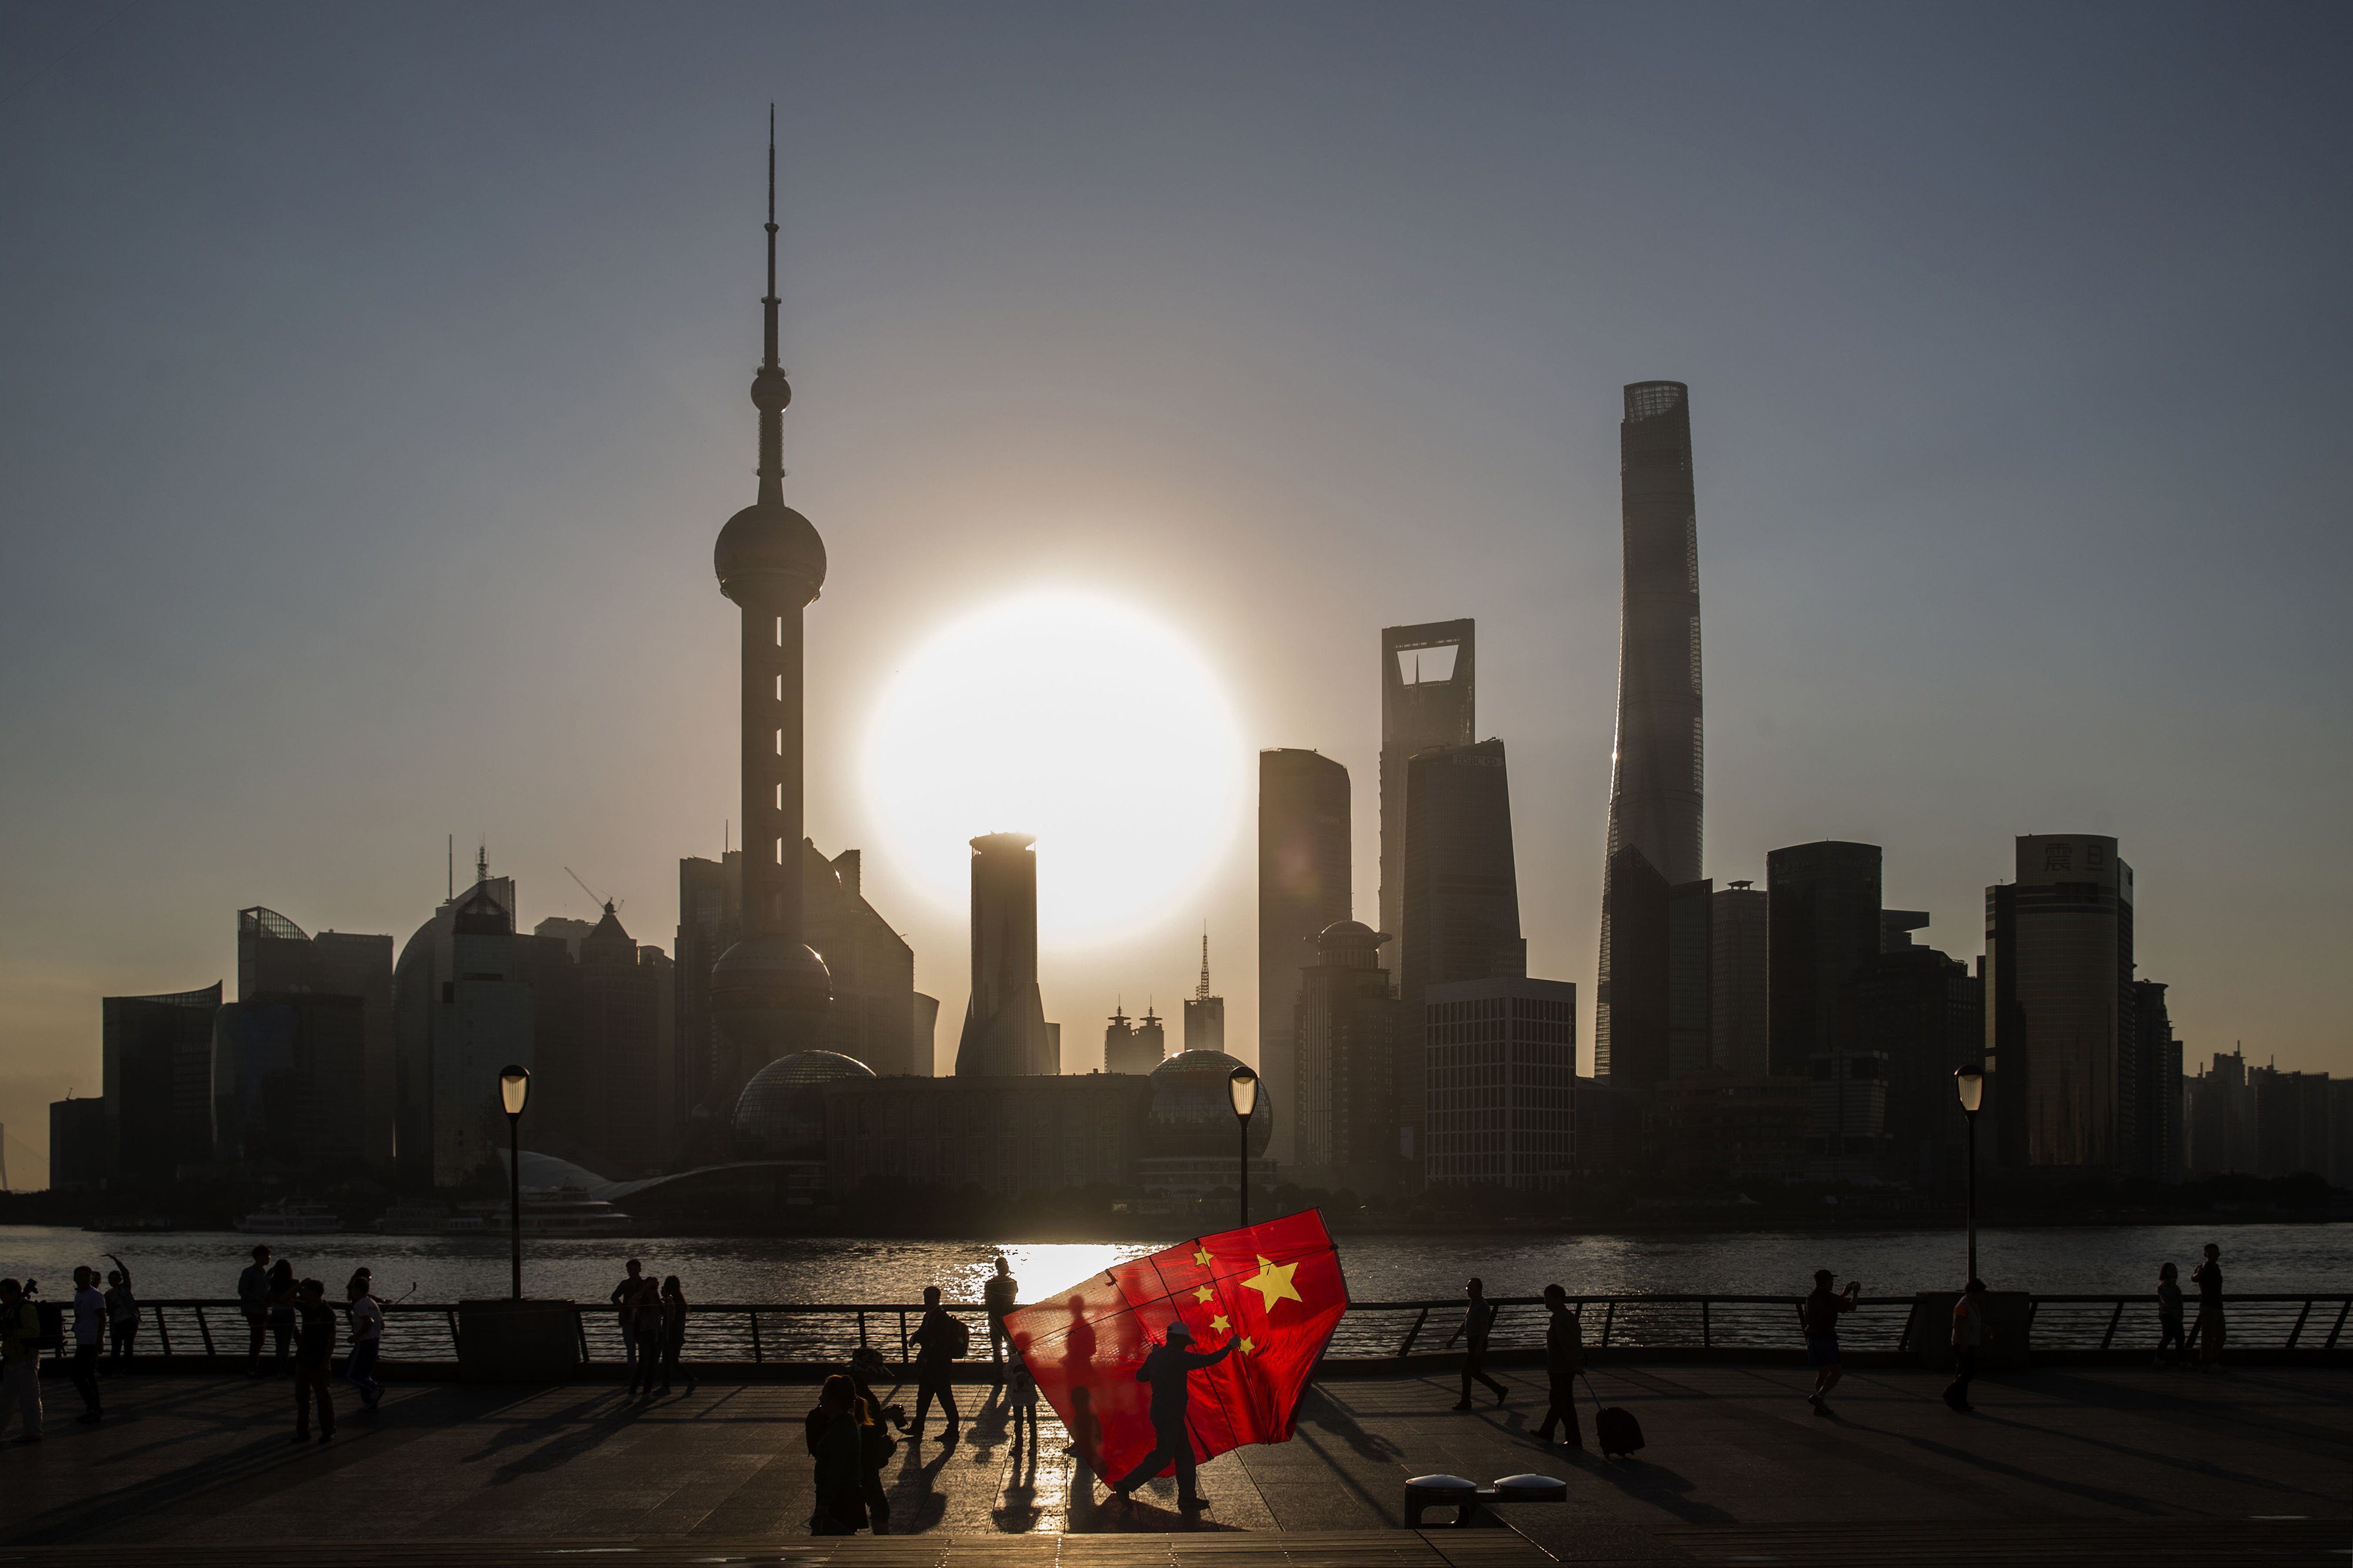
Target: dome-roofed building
x=780 y=1115
x=1190 y=1142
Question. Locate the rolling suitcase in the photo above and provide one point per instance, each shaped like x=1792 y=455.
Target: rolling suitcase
x=1615 y=1430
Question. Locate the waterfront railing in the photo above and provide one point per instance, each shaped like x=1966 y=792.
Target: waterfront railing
x=1373 y=1334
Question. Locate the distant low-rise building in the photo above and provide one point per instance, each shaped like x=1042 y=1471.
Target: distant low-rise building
x=80 y=1152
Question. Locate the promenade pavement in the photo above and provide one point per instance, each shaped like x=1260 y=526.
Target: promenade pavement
x=2058 y=1466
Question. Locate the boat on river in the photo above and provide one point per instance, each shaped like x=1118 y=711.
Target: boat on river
x=290 y=1217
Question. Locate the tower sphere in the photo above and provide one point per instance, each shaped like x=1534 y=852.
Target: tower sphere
x=771 y=392
x=769 y=556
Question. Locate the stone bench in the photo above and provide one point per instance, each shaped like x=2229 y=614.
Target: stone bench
x=1469 y=1497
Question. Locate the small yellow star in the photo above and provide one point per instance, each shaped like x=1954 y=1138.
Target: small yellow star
x=1204 y=1294
x=1218 y=1325
x=1272 y=1282
x=1201 y=1256
x=1249 y=1344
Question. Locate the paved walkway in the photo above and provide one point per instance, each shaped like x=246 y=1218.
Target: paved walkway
x=2058 y=1466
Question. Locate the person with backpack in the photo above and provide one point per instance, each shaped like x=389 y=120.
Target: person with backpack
x=1477 y=1319
x=20 y=1360
x=1968 y=1336
x=942 y=1342
x=1564 y=1363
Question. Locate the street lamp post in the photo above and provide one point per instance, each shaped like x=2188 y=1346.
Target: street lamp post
x=1970 y=1082
x=1243 y=1085
x=514 y=1088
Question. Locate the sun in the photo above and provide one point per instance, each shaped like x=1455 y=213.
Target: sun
x=1076 y=718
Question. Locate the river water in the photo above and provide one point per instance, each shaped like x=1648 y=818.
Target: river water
x=2052 y=1260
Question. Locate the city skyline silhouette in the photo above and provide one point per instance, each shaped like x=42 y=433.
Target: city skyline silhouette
x=386 y=384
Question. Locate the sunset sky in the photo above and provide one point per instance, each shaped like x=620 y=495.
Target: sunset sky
x=373 y=388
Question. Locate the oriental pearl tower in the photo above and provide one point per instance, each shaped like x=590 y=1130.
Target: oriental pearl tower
x=769 y=992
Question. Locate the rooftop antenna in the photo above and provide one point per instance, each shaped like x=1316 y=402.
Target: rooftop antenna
x=1203 y=994
x=453 y=867
x=482 y=860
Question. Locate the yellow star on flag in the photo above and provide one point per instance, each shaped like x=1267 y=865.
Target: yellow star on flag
x=1272 y=1282
x=1218 y=1324
x=1201 y=1256
x=1203 y=1294
x=1249 y=1344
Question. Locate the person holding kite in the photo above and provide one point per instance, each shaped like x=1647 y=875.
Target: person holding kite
x=1166 y=1369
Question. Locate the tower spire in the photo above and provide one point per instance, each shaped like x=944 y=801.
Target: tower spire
x=1203 y=994
x=771 y=394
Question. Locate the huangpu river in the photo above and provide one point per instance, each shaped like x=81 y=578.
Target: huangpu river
x=2052 y=1260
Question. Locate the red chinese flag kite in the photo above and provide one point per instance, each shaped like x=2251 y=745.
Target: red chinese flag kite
x=1274 y=1291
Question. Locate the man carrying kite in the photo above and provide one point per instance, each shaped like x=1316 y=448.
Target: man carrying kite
x=1167 y=1370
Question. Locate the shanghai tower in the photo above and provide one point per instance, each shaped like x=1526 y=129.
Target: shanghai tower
x=769 y=994
x=1656 y=770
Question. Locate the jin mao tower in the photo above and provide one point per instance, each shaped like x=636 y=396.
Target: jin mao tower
x=769 y=991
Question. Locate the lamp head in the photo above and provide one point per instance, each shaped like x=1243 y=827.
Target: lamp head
x=1243 y=1085
x=514 y=1088
x=1970 y=1082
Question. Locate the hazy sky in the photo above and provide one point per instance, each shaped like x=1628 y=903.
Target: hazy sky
x=371 y=387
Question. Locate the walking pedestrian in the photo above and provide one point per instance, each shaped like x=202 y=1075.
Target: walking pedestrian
x=89 y=1338
x=366 y=1316
x=253 y=1300
x=624 y=1300
x=20 y=1360
x=1822 y=1315
x=1478 y=1317
x=1000 y=1295
x=673 y=1333
x=838 y=1429
x=2168 y=1316
x=943 y=1340
x=2208 y=1278
x=643 y=1324
x=1968 y=1336
x=314 y=1360
x=122 y=1315
x=875 y=1447
x=285 y=1306
x=1166 y=1369
x=1564 y=1362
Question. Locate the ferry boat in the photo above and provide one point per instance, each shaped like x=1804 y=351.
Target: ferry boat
x=287 y=1218
x=424 y=1219
x=552 y=1211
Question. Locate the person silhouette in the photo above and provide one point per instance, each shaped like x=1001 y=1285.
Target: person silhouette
x=1166 y=1369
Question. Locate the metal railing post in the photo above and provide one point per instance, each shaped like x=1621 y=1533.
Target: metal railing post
x=1608 y=1317
x=2339 y=1326
x=1405 y=1346
x=163 y=1331
x=1706 y=1334
x=862 y=1327
x=2296 y=1333
x=580 y=1327
x=902 y=1334
x=206 y=1330
x=2114 y=1318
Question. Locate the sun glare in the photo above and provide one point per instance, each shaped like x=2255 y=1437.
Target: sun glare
x=1075 y=718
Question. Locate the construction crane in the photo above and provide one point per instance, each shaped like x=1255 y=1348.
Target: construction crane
x=610 y=907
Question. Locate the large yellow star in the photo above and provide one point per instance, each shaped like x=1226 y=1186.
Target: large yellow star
x=1204 y=1294
x=1201 y=1256
x=1272 y=1282
x=1218 y=1324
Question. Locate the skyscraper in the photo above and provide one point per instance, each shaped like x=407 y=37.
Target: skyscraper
x=1204 y=1015
x=1005 y=1033
x=1499 y=1105
x=2154 y=1080
x=1344 y=1077
x=1303 y=886
x=277 y=957
x=1461 y=899
x=1428 y=698
x=1824 y=921
x=1739 y=1035
x=769 y=992
x=1656 y=773
x=156 y=1058
x=2059 y=1004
